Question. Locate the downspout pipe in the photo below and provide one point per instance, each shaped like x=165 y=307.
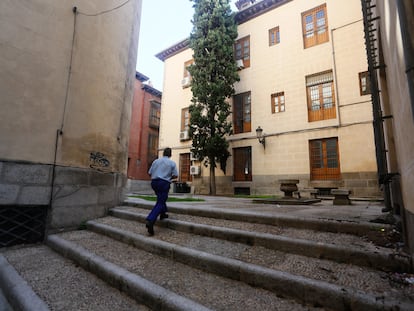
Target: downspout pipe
x=380 y=150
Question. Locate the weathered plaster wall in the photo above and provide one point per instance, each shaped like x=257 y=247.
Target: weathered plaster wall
x=71 y=74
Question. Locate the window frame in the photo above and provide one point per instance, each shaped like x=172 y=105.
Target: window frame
x=184 y=165
x=155 y=114
x=242 y=105
x=317 y=34
x=242 y=164
x=281 y=102
x=367 y=84
x=242 y=50
x=185 y=119
x=152 y=148
x=274 y=36
x=324 y=161
x=316 y=96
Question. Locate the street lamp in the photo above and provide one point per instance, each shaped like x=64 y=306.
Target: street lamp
x=260 y=136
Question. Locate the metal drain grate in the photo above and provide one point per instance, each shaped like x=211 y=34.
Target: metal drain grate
x=22 y=224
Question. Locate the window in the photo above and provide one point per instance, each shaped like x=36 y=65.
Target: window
x=152 y=152
x=187 y=76
x=364 y=83
x=278 y=102
x=241 y=113
x=155 y=110
x=242 y=50
x=315 y=26
x=186 y=65
x=324 y=159
x=320 y=96
x=274 y=36
x=242 y=170
x=185 y=124
x=185 y=167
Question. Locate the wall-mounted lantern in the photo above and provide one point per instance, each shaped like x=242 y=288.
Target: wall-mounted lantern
x=260 y=136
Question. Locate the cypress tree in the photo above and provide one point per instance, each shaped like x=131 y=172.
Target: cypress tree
x=213 y=75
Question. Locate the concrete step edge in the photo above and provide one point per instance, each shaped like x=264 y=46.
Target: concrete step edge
x=328 y=225
x=376 y=260
x=140 y=289
x=17 y=291
x=303 y=289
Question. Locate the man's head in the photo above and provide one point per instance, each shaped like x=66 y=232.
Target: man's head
x=167 y=152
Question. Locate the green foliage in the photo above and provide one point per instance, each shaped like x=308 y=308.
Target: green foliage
x=213 y=74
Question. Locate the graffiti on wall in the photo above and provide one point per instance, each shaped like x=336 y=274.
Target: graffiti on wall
x=98 y=161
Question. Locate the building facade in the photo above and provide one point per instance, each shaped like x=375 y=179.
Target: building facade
x=389 y=27
x=303 y=82
x=66 y=83
x=144 y=129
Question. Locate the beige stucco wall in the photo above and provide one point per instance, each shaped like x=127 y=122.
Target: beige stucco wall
x=283 y=67
x=35 y=57
x=73 y=75
x=399 y=96
x=401 y=126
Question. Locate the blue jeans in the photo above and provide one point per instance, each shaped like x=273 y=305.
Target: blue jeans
x=161 y=188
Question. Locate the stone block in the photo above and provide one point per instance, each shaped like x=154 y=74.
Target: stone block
x=9 y=193
x=32 y=195
x=71 y=176
x=18 y=173
x=72 y=217
x=75 y=196
x=102 y=179
x=341 y=196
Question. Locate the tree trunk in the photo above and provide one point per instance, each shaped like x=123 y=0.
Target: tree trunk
x=212 y=180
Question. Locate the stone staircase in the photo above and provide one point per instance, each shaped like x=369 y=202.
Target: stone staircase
x=208 y=258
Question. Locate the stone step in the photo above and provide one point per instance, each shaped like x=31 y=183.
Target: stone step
x=163 y=283
x=214 y=259
x=349 y=249
x=287 y=275
x=35 y=278
x=335 y=225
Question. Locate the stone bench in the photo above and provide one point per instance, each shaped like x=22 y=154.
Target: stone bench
x=341 y=196
x=311 y=192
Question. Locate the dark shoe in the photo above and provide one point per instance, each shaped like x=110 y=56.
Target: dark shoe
x=163 y=216
x=150 y=227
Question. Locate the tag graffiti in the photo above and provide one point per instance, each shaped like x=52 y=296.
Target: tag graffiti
x=98 y=161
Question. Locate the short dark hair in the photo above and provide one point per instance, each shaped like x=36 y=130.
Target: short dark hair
x=167 y=152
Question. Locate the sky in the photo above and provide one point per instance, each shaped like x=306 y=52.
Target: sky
x=163 y=23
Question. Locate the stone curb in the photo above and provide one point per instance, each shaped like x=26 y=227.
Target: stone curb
x=18 y=293
x=301 y=288
x=377 y=260
x=140 y=289
x=327 y=225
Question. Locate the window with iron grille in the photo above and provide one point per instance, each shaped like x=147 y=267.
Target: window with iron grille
x=320 y=96
x=242 y=50
x=242 y=164
x=242 y=113
x=315 y=26
x=22 y=224
x=278 y=102
x=155 y=112
x=324 y=159
x=274 y=36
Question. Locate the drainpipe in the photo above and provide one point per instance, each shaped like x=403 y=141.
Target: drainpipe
x=384 y=178
x=335 y=77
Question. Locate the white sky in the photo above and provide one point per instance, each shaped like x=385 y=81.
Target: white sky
x=163 y=23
